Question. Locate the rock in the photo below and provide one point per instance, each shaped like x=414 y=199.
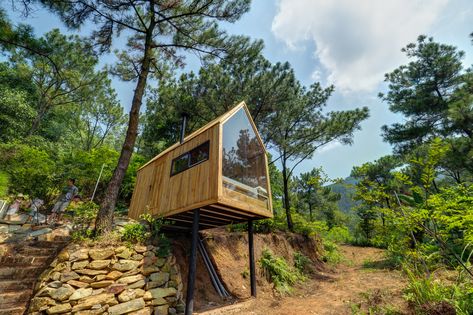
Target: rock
x=172 y=311
x=161 y=310
x=98 y=311
x=140 y=248
x=137 y=284
x=120 y=249
x=130 y=279
x=64 y=266
x=38 y=303
x=55 y=276
x=116 y=288
x=147 y=270
x=180 y=308
x=100 y=277
x=63 y=256
x=147 y=296
x=63 y=293
x=162 y=292
x=114 y=275
x=91 y=272
x=127 y=307
x=80 y=264
x=101 y=253
x=59 y=309
x=126 y=253
x=144 y=311
x=159 y=277
x=80 y=294
x=127 y=295
x=158 y=301
x=137 y=257
x=46 y=291
x=101 y=284
x=125 y=265
x=86 y=279
x=39 y=232
x=55 y=284
x=78 y=284
x=80 y=254
x=160 y=262
x=99 y=264
x=88 y=302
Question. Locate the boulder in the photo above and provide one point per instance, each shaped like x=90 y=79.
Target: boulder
x=131 y=279
x=147 y=270
x=162 y=292
x=99 y=264
x=140 y=248
x=127 y=307
x=38 y=303
x=137 y=257
x=126 y=253
x=63 y=293
x=116 y=288
x=59 y=309
x=125 y=265
x=80 y=294
x=158 y=301
x=55 y=284
x=127 y=295
x=86 y=279
x=137 y=284
x=101 y=253
x=88 y=302
x=80 y=254
x=78 y=284
x=101 y=284
x=159 y=277
x=114 y=275
x=161 y=310
x=80 y=264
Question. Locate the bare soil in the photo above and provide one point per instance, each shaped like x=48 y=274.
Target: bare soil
x=361 y=281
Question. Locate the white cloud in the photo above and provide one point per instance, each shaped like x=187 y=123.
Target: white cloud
x=356 y=41
x=329 y=147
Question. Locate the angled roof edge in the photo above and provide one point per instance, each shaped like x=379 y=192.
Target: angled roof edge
x=220 y=119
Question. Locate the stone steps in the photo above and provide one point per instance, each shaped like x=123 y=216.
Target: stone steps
x=20 y=268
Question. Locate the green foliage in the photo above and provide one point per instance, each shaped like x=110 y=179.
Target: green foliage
x=135 y=233
x=277 y=271
x=31 y=170
x=83 y=215
x=154 y=224
x=332 y=253
x=4 y=184
x=339 y=234
x=164 y=246
x=424 y=293
x=302 y=263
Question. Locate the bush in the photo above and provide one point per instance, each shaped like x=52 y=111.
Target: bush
x=4 y=183
x=302 y=263
x=331 y=252
x=277 y=271
x=83 y=214
x=135 y=233
x=339 y=234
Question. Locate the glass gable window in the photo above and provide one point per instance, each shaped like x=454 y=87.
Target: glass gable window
x=190 y=159
x=244 y=166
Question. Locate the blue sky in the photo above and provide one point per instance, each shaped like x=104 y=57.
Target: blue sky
x=350 y=44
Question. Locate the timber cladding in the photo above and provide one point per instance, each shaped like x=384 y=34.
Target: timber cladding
x=220 y=168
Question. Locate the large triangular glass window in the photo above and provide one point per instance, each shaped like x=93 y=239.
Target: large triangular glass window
x=244 y=164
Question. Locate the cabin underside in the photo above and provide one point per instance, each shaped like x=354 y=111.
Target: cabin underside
x=211 y=216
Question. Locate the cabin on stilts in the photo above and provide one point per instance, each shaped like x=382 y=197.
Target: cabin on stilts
x=221 y=169
x=216 y=176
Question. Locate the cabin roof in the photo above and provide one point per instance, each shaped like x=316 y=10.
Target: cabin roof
x=220 y=119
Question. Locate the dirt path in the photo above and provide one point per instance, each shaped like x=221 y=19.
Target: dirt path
x=360 y=280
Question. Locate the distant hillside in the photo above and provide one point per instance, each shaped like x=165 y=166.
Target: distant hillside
x=346 y=191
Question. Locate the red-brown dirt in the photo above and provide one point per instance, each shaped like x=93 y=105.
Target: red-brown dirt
x=358 y=282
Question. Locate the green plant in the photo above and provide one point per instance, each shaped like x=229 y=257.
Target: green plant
x=83 y=214
x=154 y=224
x=339 y=234
x=245 y=273
x=277 y=271
x=331 y=252
x=135 y=233
x=302 y=262
x=164 y=246
x=4 y=183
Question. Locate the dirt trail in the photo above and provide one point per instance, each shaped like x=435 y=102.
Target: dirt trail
x=359 y=280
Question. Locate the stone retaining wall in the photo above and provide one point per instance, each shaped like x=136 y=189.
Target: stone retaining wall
x=112 y=280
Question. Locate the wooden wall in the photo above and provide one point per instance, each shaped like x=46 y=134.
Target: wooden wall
x=164 y=195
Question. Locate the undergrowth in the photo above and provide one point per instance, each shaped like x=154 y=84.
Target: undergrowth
x=276 y=270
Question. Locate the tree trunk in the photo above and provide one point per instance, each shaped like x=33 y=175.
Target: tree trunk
x=287 y=202
x=104 y=221
x=310 y=211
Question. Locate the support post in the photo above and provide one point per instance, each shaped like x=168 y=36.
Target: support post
x=252 y=258
x=192 y=264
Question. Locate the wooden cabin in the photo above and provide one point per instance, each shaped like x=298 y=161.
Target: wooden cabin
x=221 y=169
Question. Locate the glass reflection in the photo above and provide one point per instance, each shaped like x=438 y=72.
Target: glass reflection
x=243 y=158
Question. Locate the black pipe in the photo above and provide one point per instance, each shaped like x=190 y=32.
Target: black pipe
x=209 y=269
x=252 y=258
x=183 y=127
x=192 y=264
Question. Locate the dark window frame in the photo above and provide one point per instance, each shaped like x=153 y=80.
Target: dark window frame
x=188 y=154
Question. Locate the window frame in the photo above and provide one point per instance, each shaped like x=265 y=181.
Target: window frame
x=188 y=153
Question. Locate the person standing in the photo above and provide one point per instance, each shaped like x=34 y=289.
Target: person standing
x=68 y=193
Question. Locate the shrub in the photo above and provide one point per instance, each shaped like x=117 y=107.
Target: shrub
x=302 y=262
x=83 y=214
x=4 y=183
x=339 y=234
x=135 y=233
x=277 y=271
x=164 y=246
x=331 y=252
